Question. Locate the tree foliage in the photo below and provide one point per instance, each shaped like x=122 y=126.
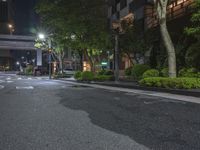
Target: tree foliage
x=193 y=53
x=80 y=25
x=195 y=19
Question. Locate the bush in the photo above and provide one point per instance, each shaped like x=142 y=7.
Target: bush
x=61 y=75
x=87 y=76
x=178 y=83
x=77 y=75
x=138 y=71
x=151 y=73
x=191 y=72
x=165 y=72
x=29 y=70
x=128 y=71
x=102 y=72
x=104 y=78
x=109 y=73
x=105 y=72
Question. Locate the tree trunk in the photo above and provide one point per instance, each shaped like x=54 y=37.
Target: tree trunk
x=170 y=49
x=60 y=63
x=161 y=7
x=80 y=53
x=129 y=57
x=90 y=61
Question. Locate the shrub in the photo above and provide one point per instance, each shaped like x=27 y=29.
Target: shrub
x=61 y=75
x=77 y=75
x=191 y=72
x=29 y=70
x=138 y=71
x=179 y=83
x=106 y=72
x=104 y=78
x=102 y=72
x=87 y=76
x=151 y=73
x=165 y=72
x=128 y=71
x=109 y=73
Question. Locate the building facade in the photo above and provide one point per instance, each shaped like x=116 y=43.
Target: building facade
x=6 y=27
x=143 y=11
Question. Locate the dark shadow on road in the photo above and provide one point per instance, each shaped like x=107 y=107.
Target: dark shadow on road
x=156 y=123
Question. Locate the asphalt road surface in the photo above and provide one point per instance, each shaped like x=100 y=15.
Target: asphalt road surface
x=38 y=114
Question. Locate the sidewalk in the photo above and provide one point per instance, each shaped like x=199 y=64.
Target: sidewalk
x=134 y=85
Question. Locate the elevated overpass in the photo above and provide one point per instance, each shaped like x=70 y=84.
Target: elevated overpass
x=19 y=42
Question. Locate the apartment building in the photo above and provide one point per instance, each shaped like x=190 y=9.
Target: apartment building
x=143 y=11
x=6 y=27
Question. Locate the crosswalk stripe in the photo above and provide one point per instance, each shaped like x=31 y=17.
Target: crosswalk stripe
x=24 y=87
x=1 y=81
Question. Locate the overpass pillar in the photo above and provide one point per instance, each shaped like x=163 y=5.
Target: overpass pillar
x=39 y=57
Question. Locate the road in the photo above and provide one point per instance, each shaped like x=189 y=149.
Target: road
x=39 y=114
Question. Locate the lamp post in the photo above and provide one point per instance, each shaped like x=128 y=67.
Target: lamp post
x=42 y=37
x=116 y=26
x=10 y=26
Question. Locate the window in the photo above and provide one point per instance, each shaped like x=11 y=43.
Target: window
x=123 y=4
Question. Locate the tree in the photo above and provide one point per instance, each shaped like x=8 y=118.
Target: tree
x=161 y=9
x=134 y=41
x=195 y=29
x=193 y=53
x=85 y=20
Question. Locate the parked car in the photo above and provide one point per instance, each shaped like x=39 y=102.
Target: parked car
x=69 y=71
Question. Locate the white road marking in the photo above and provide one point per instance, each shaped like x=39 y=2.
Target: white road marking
x=1 y=87
x=9 y=81
x=19 y=78
x=29 y=78
x=24 y=87
x=1 y=81
x=8 y=78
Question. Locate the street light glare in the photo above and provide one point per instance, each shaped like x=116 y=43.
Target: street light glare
x=10 y=26
x=41 y=36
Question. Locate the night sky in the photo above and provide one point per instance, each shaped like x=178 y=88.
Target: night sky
x=25 y=17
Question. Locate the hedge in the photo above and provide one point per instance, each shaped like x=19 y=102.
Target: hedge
x=151 y=73
x=188 y=72
x=177 y=83
x=77 y=75
x=138 y=71
x=87 y=76
x=104 y=78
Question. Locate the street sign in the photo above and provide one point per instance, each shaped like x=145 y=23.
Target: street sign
x=104 y=63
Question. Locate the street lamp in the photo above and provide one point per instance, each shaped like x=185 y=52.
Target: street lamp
x=10 y=26
x=116 y=26
x=43 y=37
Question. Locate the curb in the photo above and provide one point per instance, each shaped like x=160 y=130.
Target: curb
x=183 y=92
x=171 y=91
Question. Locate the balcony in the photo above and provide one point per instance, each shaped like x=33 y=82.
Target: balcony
x=176 y=9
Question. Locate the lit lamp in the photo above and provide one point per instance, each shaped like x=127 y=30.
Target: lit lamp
x=10 y=26
x=42 y=36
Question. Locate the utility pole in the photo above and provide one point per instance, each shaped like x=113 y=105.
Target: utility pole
x=116 y=27
x=116 y=57
x=49 y=50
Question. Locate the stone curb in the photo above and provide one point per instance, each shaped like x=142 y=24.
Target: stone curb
x=184 y=92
